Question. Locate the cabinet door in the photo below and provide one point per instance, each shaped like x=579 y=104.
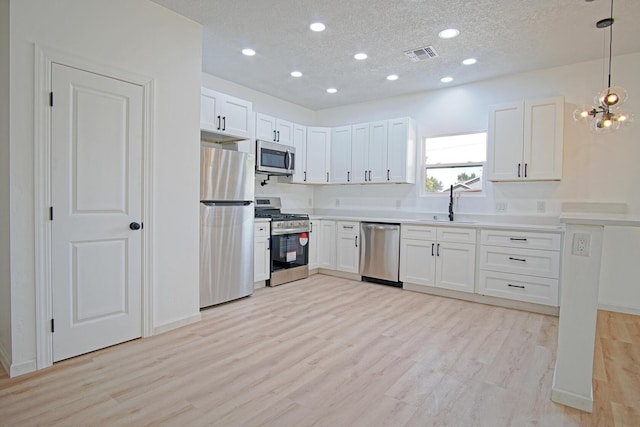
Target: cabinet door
x=265 y=127
x=543 y=139
x=284 y=132
x=314 y=248
x=300 y=144
x=455 y=266
x=418 y=262
x=262 y=259
x=400 y=159
x=359 y=152
x=318 y=146
x=505 y=136
x=327 y=245
x=348 y=253
x=236 y=115
x=208 y=109
x=378 y=137
x=341 y=155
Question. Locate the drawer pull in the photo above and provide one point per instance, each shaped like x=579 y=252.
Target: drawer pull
x=350 y=227
x=432 y=245
x=515 y=286
x=519 y=239
x=517 y=259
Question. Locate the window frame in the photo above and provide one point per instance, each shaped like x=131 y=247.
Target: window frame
x=424 y=166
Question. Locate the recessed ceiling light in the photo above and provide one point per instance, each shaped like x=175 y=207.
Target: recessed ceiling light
x=296 y=74
x=446 y=79
x=392 y=77
x=449 y=33
x=317 y=26
x=360 y=56
x=469 y=61
x=332 y=90
x=248 y=52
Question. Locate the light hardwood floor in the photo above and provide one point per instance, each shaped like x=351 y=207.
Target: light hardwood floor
x=333 y=352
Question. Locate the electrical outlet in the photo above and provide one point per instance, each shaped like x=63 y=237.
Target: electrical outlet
x=581 y=244
x=501 y=207
x=542 y=206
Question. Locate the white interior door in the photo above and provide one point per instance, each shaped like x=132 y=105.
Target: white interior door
x=96 y=193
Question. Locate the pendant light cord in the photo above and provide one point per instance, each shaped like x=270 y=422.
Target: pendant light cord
x=610 y=43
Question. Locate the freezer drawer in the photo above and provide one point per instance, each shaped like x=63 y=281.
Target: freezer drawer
x=226 y=253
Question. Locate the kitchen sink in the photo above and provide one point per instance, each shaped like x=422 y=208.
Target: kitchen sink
x=456 y=221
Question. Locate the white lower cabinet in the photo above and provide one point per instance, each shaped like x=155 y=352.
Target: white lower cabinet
x=523 y=266
x=348 y=247
x=441 y=257
x=327 y=243
x=314 y=237
x=261 y=252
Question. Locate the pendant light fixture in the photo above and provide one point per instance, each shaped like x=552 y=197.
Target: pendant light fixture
x=606 y=115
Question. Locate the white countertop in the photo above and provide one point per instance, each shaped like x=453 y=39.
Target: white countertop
x=444 y=223
x=620 y=220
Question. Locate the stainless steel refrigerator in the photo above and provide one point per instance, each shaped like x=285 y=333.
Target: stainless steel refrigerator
x=226 y=225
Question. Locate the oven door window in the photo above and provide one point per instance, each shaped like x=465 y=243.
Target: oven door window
x=288 y=252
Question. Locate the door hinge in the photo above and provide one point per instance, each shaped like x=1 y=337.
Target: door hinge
x=51 y=213
x=50 y=99
x=53 y=327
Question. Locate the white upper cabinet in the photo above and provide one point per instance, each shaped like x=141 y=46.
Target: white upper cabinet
x=401 y=151
x=359 y=152
x=318 y=155
x=224 y=117
x=377 y=158
x=274 y=130
x=526 y=140
x=300 y=161
x=341 y=155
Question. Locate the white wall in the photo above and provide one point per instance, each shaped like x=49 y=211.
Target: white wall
x=596 y=167
x=140 y=37
x=5 y=271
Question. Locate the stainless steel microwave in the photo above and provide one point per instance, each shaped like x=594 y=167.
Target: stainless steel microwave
x=275 y=159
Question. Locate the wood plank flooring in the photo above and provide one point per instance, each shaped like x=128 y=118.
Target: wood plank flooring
x=327 y=351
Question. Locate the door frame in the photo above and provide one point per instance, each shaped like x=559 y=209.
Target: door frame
x=44 y=58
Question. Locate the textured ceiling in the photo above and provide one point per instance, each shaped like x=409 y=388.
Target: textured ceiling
x=506 y=37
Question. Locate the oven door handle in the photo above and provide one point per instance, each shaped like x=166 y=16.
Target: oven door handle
x=295 y=230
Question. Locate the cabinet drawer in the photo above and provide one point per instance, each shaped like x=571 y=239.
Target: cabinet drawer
x=538 y=290
x=456 y=235
x=349 y=227
x=533 y=262
x=418 y=232
x=521 y=239
x=262 y=229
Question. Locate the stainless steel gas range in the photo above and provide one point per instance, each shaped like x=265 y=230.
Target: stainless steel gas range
x=289 y=242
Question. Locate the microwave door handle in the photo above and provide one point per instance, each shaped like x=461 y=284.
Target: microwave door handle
x=286 y=160
x=289 y=160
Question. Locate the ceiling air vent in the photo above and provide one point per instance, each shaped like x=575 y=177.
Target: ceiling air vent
x=421 y=53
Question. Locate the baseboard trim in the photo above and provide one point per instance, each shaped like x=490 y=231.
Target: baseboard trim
x=500 y=302
x=571 y=399
x=341 y=274
x=22 y=368
x=619 y=309
x=4 y=360
x=175 y=324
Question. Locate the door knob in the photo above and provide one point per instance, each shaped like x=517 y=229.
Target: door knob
x=135 y=226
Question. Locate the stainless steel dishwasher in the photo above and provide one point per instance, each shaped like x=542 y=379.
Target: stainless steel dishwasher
x=380 y=253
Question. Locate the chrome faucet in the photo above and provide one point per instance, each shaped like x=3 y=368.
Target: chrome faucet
x=451 y=204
